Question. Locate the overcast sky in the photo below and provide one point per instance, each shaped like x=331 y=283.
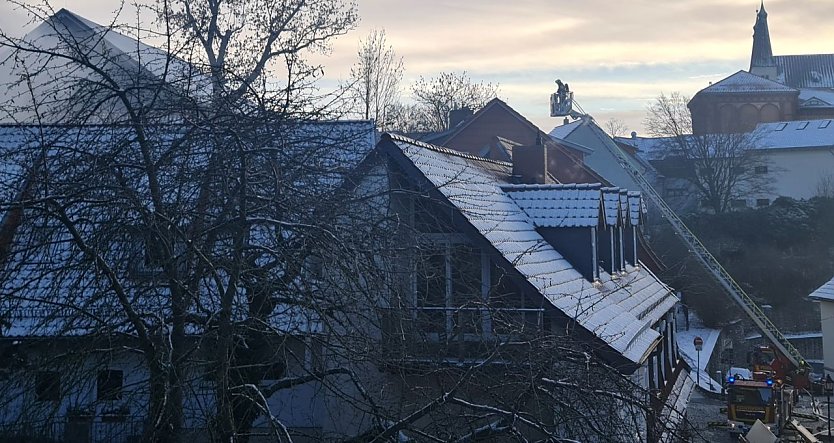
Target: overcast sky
x=616 y=55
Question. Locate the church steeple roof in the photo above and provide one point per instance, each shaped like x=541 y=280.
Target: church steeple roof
x=762 y=51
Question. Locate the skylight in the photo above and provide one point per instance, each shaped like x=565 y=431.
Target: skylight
x=781 y=126
x=824 y=124
x=802 y=125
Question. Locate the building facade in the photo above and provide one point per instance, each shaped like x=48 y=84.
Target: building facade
x=774 y=88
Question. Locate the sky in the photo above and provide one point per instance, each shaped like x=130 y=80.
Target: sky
x=616 y=55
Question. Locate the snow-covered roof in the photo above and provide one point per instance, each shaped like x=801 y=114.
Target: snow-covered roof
x=816 y=98
x=767 y=136
x=795 y=134
x=563 y=131
x=824 y=292
x=611 y=206
x=649 y=148
x=806 y=71
x=558 y=206
x=636 y=208
x=743 y=81
x=673 y=414
x=791 y=336
x=619 y=311
x=52 y=77
x=46 y=288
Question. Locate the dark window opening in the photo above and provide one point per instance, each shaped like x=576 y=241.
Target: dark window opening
x=761 y=202
x=431 y=290
x=761 y=169
x=448 y=281
x=109 y=384
x=738 y=203
x=48 y=386
x=676 y=192
x=466 y=288
x=431 y=216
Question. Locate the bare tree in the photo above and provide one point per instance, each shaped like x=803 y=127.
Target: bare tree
x=436 y=96
x=180 y=220
x=375 y=78
x=722 y=167
x=180 y=190
x=825 y=186
x=615 y=127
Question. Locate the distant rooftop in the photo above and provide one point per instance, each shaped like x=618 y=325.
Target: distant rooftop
x=743 y=81
x=806 y=71
x=795 y=134
x=824 y=292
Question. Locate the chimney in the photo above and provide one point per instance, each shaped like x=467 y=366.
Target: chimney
x=634 y=134
x=530 y=164
x=458 y=116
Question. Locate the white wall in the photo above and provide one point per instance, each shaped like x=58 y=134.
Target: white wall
x=827 y=319
x=795 y=173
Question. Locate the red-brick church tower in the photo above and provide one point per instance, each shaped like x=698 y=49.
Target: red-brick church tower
x=776 y=88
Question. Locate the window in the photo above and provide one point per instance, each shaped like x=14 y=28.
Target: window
x=737 y=170
x=825 y=124
x=431 y=290
x=431 y=216
x=154 y=256
x=761 y=202
x=47 y=386
x=760 y=170
x=314 y=267
x=738 y=203
x=676 y=192
x=509 y=308
x=109 y=384
x=802 y=125
x=781 y=126
x=448 y=289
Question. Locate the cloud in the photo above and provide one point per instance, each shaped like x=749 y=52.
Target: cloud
x=615 y=55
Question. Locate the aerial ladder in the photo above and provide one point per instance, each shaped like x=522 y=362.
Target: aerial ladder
x=562 y=104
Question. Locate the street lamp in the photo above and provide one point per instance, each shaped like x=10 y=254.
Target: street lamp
x=699 y=343
x=829 y=388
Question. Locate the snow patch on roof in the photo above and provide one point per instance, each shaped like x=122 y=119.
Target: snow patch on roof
x=824 y=292
x=816 y=98
x=795 y=134
x=743 y=81
x=807 y=70
x=563 y=131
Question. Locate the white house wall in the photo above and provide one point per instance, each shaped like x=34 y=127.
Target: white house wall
x=827 y=319
x=796 y=173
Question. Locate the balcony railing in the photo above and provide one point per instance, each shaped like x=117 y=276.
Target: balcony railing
x=75 y=430
x=437 y=332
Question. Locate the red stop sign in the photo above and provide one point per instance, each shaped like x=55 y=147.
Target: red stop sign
x=699 y=343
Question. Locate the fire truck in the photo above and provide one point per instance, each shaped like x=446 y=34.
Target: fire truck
x=751 y=400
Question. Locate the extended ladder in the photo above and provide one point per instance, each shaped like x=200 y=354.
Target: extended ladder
x=712 y=265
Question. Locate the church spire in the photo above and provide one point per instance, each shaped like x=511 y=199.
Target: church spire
x=762 y=53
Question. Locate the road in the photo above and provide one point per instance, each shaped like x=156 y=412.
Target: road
x=700 y=412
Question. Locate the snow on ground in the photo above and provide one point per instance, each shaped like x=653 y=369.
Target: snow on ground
x=687 y=349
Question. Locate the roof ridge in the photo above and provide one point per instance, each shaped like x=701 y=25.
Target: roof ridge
x=510 y=187
x=444 y=150
x=805 y=55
